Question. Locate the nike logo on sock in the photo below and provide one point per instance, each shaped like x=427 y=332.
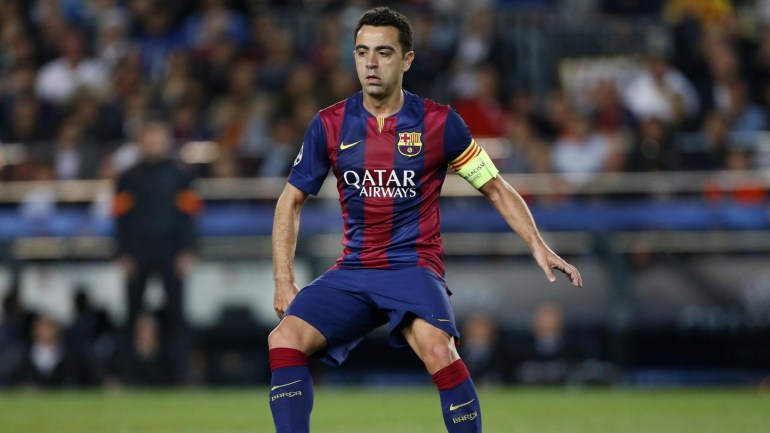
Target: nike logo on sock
x=452 y=407
x=291 y=383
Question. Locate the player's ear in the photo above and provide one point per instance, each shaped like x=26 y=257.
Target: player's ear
x=408 y=59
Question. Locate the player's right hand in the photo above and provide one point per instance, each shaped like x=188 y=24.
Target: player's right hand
x=284 y=294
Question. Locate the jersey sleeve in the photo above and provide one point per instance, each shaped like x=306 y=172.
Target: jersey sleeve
x=312 y=163
x=457 y=136
x=464 y=156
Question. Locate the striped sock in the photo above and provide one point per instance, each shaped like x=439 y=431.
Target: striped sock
x=459 y=400
x=291 y=392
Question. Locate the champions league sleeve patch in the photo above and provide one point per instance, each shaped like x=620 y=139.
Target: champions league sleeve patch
x=475 y=166
x=299 y=155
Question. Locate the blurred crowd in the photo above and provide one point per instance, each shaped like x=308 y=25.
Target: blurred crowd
x=238 y=81
x=39 y=351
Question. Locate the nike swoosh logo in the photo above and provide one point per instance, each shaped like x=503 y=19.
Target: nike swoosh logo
x=444 y=320
x=453 y=407
x=286 y=384
x=344 y=146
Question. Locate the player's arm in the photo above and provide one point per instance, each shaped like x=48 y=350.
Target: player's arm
x=473 y=164
x=285 y=229
x=516 y=213
x=306 y=177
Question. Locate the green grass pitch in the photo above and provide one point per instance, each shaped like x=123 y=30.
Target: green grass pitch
x=388 y=410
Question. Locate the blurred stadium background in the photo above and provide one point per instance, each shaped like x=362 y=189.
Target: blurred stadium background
x=636 y=130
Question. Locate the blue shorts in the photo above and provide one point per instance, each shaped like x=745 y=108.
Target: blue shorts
x=345 y=305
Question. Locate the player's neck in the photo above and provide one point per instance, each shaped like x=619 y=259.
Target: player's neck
x=386 y=106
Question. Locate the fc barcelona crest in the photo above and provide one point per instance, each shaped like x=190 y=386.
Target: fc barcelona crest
x=409 y=143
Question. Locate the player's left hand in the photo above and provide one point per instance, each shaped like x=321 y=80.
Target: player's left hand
x=548 y=261
x=285 y=292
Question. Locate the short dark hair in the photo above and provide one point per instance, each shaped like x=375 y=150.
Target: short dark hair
x=384 y=17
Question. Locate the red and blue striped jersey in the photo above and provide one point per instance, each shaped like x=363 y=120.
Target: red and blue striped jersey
x=389 y=175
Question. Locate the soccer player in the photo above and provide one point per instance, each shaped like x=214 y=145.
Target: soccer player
x=389 y=150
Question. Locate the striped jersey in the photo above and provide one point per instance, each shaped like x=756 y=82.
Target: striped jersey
x=389 y=175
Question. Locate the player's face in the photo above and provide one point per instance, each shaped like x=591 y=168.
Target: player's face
x=380 y=62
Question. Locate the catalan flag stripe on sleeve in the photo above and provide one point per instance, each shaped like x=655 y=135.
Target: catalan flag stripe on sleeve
x=471 y=152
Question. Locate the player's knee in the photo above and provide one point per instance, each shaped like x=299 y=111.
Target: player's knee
x=295 y=334
x=281 y=337
x=439 y=354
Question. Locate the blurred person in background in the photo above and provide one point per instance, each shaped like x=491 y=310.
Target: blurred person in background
x=39 y=204
x=743 y=114
x=242 y=131
x=59 y=79
x=47 y=363
x=435 y=42
x=326 y=50
x=134 y=110
x=12 y=330
x=90 y=339
x=157 y=38
x=523 y=104
x=99 y=123
x=389 y=150
x=19 y=83
x=580 y=154
x=338 y=83
x=51 y=26
x=278 y=159
x=216 y=67
x=546 y=353
x=16 y=44
x=73 y=158
x=661 y=91
x=112 y=37
x=212 y=22
x=224 y=167
x=709 y=146
x=126 y=80
x=558 y=113
x=155 y=208
x=652 y=148
x=526 y=152
x=24 y=124
x=482 y=350
x=743 y=190
x=303 y=82
x=147 y=364
x=279 y=59
x=239 y=128
x=186 y=125
x=608 y=112
x=481 y=108
x=478 y=46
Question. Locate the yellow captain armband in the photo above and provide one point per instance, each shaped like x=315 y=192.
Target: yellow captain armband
x=475 y=166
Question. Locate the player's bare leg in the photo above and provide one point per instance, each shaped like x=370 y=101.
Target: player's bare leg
x=295 y=333
x=435 y=348
x=291 y=392
x=459 y=400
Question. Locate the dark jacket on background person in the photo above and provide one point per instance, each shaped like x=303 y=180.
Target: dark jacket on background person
x=155 y=208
